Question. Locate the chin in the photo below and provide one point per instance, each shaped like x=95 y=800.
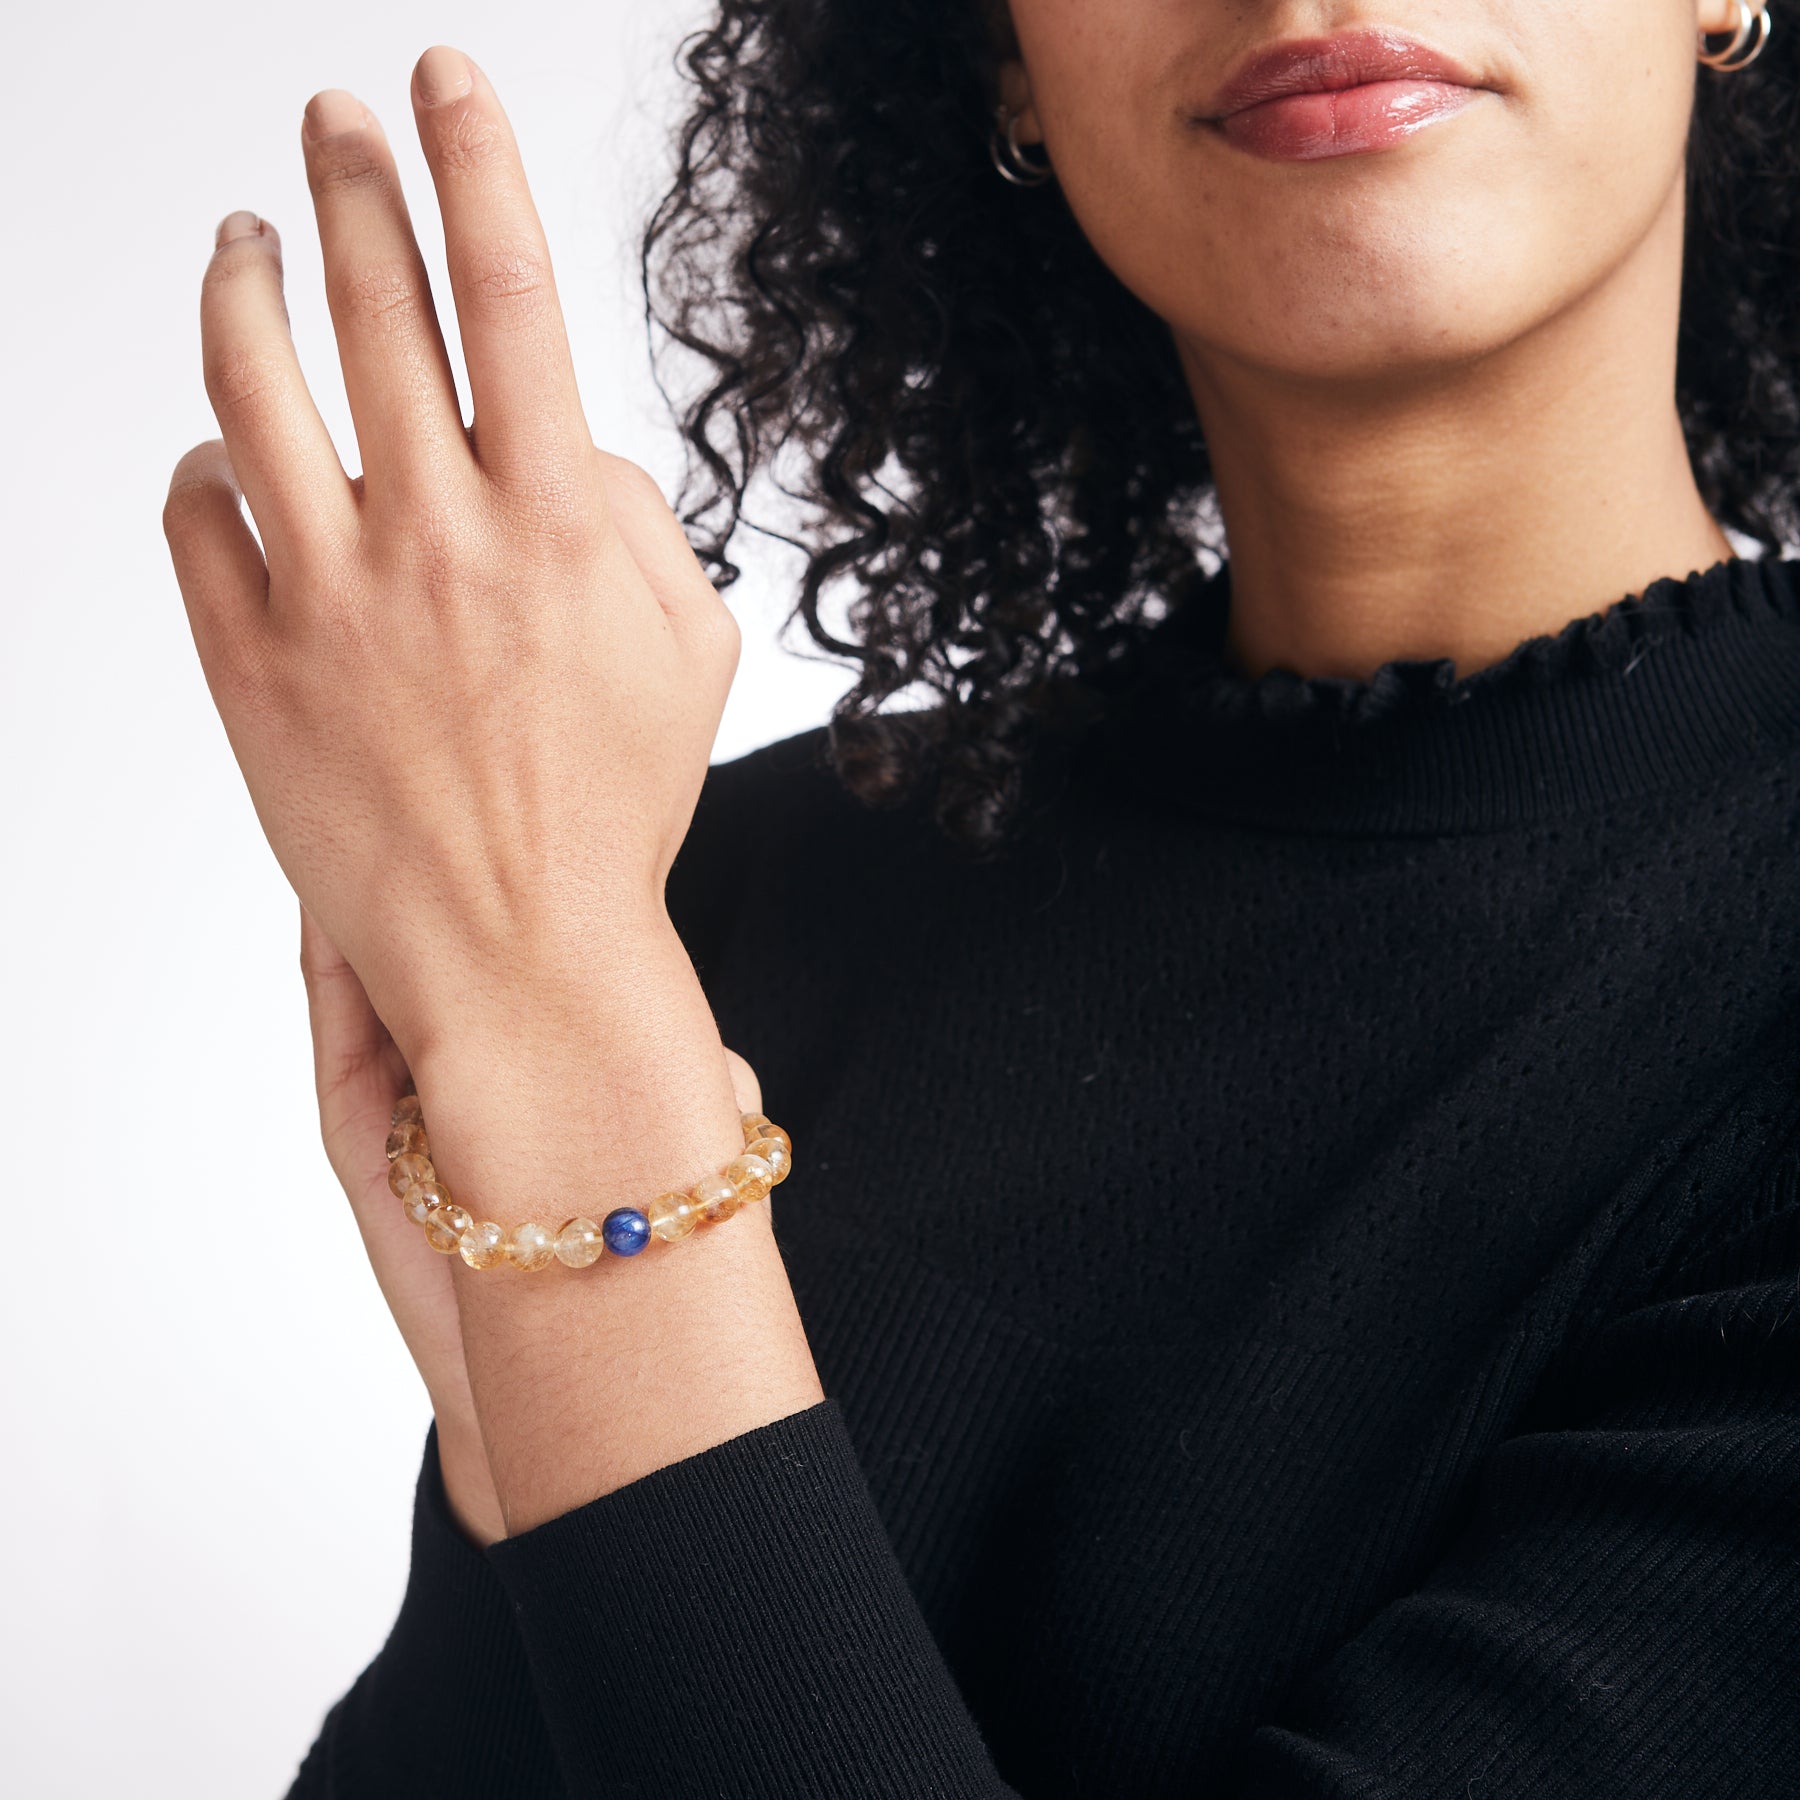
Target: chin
x=1366 y=323
x=1349 y=311
x=1378 y=283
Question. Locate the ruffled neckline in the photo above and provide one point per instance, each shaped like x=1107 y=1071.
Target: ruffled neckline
x=1611 y=641
x=1659 y=688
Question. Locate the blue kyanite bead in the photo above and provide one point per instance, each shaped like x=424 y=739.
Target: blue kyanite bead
x=626 y=1231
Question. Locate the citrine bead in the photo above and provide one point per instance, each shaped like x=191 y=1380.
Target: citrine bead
x=750 y=1175
x=483 y=1244
x=530 y=1247
x=409 y=1134
x=775 y=1153
x=767 y=1160
x=626 y=1230
x=421 y=1199
x=445 y=1225
x=579 y=1245
x=672 y=1216
x=716 y=1197
x=407 y=1171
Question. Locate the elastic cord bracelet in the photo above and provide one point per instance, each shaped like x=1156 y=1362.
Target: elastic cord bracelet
x=768 y=1157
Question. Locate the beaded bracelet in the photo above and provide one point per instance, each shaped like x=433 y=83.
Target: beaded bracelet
x=768 y=1156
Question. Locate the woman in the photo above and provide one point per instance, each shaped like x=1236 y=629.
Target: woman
x=1290 y=1282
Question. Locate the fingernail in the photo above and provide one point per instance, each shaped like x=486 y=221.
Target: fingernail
x=334 y=112
x=443 y=75
x=236 y=225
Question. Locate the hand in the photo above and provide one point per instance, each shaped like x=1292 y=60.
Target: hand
x=474 y=692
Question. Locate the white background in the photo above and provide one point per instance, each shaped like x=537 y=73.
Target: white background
x=211 y=1428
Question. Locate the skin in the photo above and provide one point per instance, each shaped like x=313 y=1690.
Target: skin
x=474 y=690
x=473 y=694
x=1436 y=381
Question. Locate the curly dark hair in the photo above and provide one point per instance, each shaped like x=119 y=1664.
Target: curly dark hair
x=991 y=438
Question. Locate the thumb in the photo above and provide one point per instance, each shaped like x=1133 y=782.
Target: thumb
x=356 y=1066
x=744 y=1083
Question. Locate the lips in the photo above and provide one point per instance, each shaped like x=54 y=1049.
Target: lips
x=1358 y=90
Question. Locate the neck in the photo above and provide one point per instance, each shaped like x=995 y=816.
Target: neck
x=1455 y=512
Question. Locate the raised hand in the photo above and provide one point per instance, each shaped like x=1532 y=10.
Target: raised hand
x=473 y=694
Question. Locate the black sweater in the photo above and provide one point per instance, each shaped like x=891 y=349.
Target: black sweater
x=1303 y=1254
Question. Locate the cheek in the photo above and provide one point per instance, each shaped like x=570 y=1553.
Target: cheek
x=1463 y=237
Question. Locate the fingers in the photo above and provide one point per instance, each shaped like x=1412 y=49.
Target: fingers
x=529 y=429
x=220 y=569
x=396 y=373
x=350 y=1043
x=744 y=1084
x=279 y=448
x=359 y=1074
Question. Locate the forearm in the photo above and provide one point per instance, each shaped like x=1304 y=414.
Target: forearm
x=585 y=1380
x=678 y=1493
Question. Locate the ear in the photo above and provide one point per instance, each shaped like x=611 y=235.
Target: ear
x=1015 y=95
x=1715 y=18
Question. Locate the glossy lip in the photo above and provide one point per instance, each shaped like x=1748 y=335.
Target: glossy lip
x=1374 y=115
x=1346 y=59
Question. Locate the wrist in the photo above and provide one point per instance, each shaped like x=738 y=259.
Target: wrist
x=550 y=1006
x=583 y=1103
x=583 y=1380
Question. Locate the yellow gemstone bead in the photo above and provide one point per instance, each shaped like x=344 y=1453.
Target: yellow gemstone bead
x=445 y=1225
x=672 y=1216
x=716 y=1198
x=755 y=1125
x=483 y=1244
x=409 y=1134
x=751 y=1176
x=530 y=1247
x=775 y=1153
x=781 y=1137
x=580 y=1244
x=407 y=1110
x=424 y=1198
x=408 y=1170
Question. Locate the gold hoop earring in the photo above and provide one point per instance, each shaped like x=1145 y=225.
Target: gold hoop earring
x=1753 y=30
x=1010 y=159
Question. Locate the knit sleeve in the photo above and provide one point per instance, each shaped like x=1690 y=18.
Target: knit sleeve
x=1614 y=1616
x=737 y=1624
x=1617 y=1614
x=447 y=1706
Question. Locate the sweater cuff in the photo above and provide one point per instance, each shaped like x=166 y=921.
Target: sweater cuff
x=737 y=1623
x=447 y=1707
